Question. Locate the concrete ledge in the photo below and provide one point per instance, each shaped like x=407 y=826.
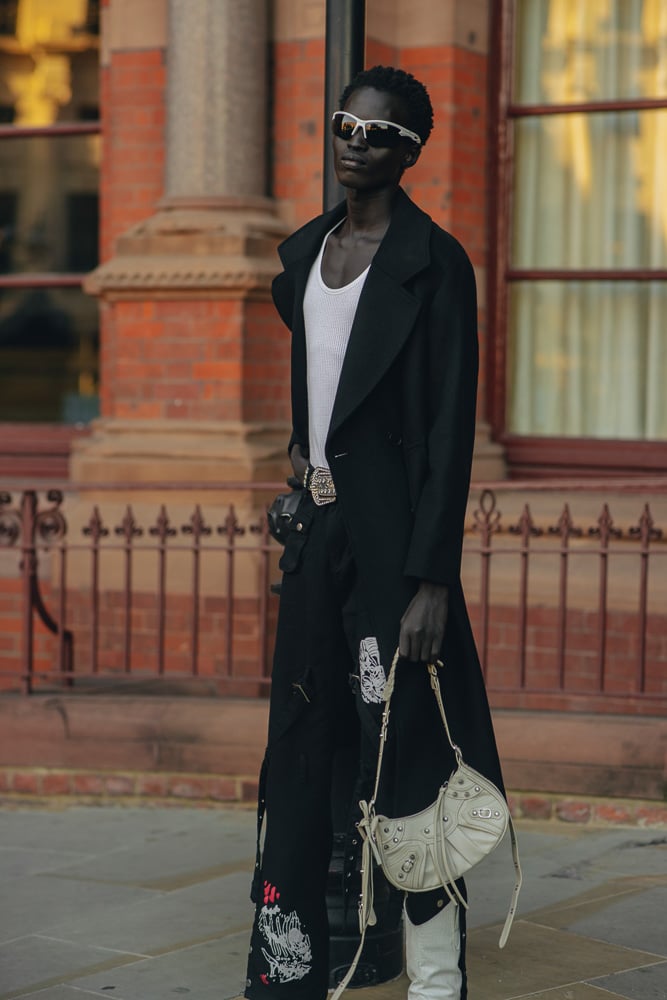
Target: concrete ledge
x=606 y=755
x=551 y=753
x=134 y=733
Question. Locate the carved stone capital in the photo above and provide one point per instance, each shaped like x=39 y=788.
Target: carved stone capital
x=223 y=246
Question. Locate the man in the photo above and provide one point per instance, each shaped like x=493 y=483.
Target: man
x=381 y=305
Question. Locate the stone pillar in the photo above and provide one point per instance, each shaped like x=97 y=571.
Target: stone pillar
x=195 y=364
x=216 y=99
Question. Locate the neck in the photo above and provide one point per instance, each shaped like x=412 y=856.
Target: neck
x=369 y=211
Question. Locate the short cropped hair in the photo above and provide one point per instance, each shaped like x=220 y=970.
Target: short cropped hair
x=402 y=85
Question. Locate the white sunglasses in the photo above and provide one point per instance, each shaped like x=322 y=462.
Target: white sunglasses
x=375 y=131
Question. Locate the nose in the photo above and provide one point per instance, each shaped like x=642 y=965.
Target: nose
x=357 y=138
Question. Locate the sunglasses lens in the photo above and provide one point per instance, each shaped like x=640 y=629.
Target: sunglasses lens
x=378 y=134
x=343 y=126
x=382 y=135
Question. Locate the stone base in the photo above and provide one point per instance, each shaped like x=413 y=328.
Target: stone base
x=188 y=452
x=545 y=755
x=488 y=463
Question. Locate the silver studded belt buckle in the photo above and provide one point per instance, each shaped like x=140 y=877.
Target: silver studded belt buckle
x=321 y=485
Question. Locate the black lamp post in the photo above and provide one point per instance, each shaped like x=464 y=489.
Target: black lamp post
x=344 y=57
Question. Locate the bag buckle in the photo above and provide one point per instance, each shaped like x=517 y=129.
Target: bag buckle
x=484 y=813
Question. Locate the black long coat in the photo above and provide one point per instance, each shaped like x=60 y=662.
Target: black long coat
x=400 y=451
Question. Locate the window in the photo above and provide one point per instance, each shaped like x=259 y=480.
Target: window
x=580 y=359
x=49 y=178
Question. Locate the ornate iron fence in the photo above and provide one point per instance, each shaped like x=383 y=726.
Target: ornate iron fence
x=565 y=615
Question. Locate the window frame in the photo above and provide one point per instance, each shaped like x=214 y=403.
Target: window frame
x=541 y=456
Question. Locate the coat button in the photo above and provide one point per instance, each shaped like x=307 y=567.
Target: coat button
x=394 y=438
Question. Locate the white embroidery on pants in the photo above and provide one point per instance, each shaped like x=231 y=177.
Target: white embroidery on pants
x=288 y=946
x=371 y=671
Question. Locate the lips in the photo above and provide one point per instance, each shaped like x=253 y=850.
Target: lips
x=352 y=160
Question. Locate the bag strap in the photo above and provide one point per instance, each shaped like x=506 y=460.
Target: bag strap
x=367 y=916
x=509 y=919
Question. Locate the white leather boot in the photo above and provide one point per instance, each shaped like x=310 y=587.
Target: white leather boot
x=432 y=952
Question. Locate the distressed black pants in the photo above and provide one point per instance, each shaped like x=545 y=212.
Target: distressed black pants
x=327 y=685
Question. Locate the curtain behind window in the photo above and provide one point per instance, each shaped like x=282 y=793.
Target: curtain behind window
x=589 y=358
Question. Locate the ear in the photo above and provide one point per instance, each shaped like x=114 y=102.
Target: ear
x=411 y=155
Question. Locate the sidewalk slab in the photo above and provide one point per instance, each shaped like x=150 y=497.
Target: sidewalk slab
x=641 y=984
x=152 y=903
x=217 y=967
x=38 y=959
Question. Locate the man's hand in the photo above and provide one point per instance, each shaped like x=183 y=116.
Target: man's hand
x=423 y=624
x=299 y=463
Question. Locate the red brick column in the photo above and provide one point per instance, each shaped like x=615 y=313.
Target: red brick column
x=191 y=348
x=133 y=119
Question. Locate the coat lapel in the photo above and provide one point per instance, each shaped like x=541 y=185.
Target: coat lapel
x=387 y=310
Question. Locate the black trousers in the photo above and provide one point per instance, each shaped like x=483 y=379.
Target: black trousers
x=327 y=684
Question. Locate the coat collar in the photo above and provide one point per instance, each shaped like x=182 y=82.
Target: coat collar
x=403 y=252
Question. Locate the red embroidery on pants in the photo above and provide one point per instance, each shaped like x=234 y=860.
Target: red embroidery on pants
x=270 y=893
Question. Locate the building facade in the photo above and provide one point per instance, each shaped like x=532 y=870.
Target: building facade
x=152 y=155
x=551 y=126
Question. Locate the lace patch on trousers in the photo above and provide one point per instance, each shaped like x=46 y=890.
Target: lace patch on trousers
x=371 y=671
x=287 y=950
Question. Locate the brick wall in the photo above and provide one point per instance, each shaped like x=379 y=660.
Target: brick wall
x=132 y=89
x=232 y=677
x=298 y=128
x=582 y=671
x=11 y=632
x=212 y=663
x=202 y=359
x=133 y=119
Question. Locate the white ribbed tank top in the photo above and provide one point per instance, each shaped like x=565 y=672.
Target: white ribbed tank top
x=328 y=316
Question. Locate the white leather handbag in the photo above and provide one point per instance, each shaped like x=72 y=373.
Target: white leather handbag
x=432 y=849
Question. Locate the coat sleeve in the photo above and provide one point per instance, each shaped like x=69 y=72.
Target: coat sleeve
x=282 y=290
x=434 y=552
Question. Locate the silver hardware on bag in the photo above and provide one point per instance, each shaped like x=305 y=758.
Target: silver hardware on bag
x=429 y=854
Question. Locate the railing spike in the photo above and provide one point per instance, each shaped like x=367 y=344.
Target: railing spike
x=526 y=526
x=128 y=526
x=162 y=528
x=95 y=528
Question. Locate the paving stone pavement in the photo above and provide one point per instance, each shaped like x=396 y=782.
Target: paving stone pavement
x=149 y=903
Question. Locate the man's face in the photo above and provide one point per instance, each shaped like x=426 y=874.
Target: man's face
x=368 y=168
